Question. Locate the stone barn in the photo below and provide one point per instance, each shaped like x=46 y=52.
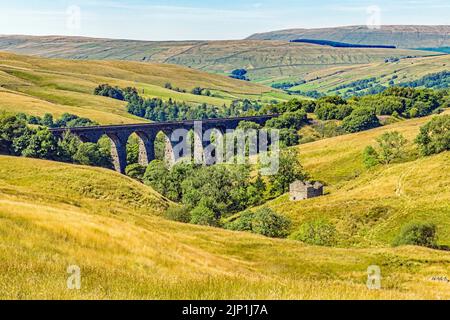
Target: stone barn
x=300 y=190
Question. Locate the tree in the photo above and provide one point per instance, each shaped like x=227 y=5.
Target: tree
x=202 y=215
x=47 y=120
x=92 y=155
x=319 y=233
x=268 y=223
x=197 y=91
x=370 y=157
x=289 y=120
x=135 y=171
x=11 y=128
x=290 y=170
x=289 y=137
x=391 y=147
x=361 y=119
x=417 y=234
x=133 y=150
x=68 y=147
x=213 y=185
x=106 y=90
x=40 y=144
x=156 y=176
x=434 y=137
x=264 y=221
x=239 y=74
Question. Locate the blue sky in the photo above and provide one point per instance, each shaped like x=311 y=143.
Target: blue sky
x=201 y=19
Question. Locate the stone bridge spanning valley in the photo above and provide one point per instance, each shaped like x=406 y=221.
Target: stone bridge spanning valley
x=147 y=132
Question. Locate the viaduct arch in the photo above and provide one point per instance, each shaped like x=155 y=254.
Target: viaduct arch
x=147 y=132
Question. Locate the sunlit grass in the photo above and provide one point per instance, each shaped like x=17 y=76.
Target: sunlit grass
x=54 y=215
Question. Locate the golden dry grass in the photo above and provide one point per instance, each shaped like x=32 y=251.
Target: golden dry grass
x=54 y=215
x=369 y=206
x=37 y=86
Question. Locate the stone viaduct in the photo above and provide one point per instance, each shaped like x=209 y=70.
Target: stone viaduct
x=147 y=132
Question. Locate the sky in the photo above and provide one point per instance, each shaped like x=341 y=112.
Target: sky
x=206 y=20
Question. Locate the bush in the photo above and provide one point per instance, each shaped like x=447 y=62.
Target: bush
x=244 y=223
x=268 y=223
x=434 y=137
x=370 y=157
x=204 y=216
x=135 y=171
x=319 y=233
x=264 y=221
x=417 y=234
x=361 y=119
x=180 y=214
x=91 y=154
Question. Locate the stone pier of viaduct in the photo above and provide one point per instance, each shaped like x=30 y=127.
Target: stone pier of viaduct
x=147 y=132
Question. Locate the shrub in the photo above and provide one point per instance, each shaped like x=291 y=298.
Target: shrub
x=204 y=216
x=319 y=233
x=243 y=223
x=180 y=214
x=434 y=137
x=264 y=221
x=135 y=171
x=92 y=155
x=370 y=157
x=268 y=223
x=361 y=119
x=418 y=234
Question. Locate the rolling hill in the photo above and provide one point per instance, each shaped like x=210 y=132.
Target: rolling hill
x=340 y=79
x=56 y=215
x=369 y=206
x=39 y=85
x=266 y=61
x=399 y=36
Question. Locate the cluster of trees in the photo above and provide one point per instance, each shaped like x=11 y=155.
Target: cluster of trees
x=199 y=91
x=341 y=44
x=440 y=80
x=158 y=110
x=287 y=85
x=434 y=138
x=126 y=94
x=239 y=74
x=310 y=93
x=19 y=139
x=263 y=221
x=293 y=116
x=67 y=120
x=169 y=86
x=358 y=84
x=209 y=193
x=361 y=113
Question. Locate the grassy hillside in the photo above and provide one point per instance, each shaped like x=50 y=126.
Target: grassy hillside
x=267 y=61
x=369 y=207
x=55 y=215
x=399 y=36
x=328 y=80
x=38 y=85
